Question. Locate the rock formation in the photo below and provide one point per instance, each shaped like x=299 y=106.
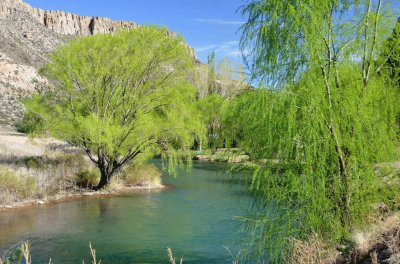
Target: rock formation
x=64 y=23
x=27 y=35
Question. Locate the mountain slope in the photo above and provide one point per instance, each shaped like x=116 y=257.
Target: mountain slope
x=27 y=35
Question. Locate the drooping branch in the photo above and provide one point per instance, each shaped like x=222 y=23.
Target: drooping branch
x=365 y=52
x=375 y=33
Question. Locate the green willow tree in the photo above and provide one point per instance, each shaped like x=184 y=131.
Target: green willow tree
x=121 y=97
x=232 y=78
x=212 y=109
x=212 y=75
x=325 y=121
x=390 y=59
x=390 y=56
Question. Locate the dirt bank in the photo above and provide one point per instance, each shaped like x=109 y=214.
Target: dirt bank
x=85 y=194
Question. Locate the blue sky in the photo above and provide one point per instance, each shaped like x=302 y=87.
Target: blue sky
x=205 y=24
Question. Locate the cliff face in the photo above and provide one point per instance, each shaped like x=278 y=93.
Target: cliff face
x=27 y=35
x=65 y=23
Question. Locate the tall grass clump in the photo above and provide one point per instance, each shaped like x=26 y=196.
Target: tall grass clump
x=18 y=254
x=21 y=254
x=30 y=123
x=87 y=178
x=15 y=187
x=142 y=174
x=57 y=172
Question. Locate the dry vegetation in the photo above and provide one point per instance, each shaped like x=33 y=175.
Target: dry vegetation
x=380 y=244
x=35 y=170
x=313 y=251
x=21 y=254
x=377 y=244
x=143 y=175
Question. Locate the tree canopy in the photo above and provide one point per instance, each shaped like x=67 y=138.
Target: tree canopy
x=121 y=97
x=322 y=122
x=390 y=56
x=212 y=109
x=232 y=78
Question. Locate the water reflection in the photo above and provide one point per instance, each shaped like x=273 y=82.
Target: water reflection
x=193 y=218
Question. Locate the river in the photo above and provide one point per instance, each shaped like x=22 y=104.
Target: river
x=193 y=217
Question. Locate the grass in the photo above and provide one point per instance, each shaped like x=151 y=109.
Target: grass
x=172 y=259
x=142 y=175
x=232 y=155
x=15 y=187
x=20 y=254
x=51 y=167
x=38 y=177
x=377 y=244
x=88 y=178
x=314 y=250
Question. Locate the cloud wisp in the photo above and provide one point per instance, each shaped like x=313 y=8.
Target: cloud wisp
x=220 y=21
x=229 y=48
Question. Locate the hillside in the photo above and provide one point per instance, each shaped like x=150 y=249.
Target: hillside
x=27 y=35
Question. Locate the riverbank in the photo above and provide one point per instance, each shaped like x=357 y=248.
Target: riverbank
x=378 y=242
x=45 y=170
x=230 y=155
x=85 y=194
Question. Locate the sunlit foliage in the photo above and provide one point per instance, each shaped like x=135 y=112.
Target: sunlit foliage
x=325 y=118
x=121 y=97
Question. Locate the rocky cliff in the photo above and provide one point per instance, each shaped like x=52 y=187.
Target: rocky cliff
x=27 y=35
x=62 y=22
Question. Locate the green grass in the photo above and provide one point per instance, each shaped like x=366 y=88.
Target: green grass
x=87 y=178
x=15 y=187
x=141 y=174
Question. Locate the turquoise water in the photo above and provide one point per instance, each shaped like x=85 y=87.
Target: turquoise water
x=193 y=217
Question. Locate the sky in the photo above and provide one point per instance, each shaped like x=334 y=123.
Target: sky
x=206 y=25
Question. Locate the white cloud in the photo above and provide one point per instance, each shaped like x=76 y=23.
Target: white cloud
x=206 y=48
x=225 y=49
x=235 y=53
x=220 y=21
x=219 y=48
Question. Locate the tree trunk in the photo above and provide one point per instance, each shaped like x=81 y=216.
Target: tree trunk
x=345 y=191
x=104 y=179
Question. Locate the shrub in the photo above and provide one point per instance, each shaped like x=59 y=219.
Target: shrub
x=87 y=178
x=30 y=123
x=71 y=160
x=72 y=163
x=142 y=174
x=14 y=187
x=31 y=162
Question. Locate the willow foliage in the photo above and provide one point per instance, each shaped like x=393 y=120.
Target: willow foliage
x=390 y=56
x=121 y=97
x=297 y=179
x=328 y=119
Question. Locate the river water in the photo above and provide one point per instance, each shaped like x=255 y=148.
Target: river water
x=193 y=217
